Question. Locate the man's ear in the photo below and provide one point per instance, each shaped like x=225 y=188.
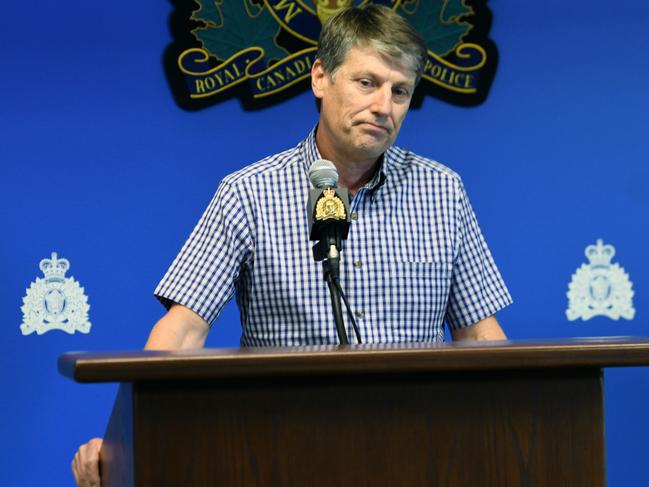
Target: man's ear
x=318 y=78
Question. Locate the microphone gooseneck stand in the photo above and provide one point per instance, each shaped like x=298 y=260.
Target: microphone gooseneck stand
x=331 y=271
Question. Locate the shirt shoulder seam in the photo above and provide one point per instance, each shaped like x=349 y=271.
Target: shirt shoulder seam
x=402 y=156
x=268 y=165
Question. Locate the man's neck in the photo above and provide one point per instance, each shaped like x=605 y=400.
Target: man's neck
x=353 y=172
x=354 y=176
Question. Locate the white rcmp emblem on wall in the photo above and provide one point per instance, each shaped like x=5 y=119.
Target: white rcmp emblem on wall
x=600 y=288
x=56 y=302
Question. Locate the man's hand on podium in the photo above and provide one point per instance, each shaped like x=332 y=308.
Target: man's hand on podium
x=180 y=328
x=85 y=465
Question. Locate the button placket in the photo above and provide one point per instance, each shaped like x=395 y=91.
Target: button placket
x=356 y=254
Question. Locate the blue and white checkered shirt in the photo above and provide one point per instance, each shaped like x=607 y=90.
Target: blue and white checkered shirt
x=415 y=256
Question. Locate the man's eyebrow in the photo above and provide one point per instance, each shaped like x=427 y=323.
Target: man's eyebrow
x=362 y=73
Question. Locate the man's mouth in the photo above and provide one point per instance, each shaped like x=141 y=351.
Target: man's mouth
x=376 y=126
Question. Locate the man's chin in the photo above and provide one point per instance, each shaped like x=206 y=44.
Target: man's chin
x=380 y=140
x=372 y=150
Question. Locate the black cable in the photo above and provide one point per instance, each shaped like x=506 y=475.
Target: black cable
x=329 y=267
x=350 y=315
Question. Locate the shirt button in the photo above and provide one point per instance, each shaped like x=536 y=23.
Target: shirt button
x=360 y=313
x=358 y=264
x=354 y=216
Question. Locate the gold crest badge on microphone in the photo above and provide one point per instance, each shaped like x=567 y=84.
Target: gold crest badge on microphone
x=329 y=206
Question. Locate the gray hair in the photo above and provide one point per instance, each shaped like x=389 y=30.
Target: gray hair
x=374 y=26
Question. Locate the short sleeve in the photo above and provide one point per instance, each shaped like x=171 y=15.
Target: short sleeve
x=203 y=275
x=477 y=288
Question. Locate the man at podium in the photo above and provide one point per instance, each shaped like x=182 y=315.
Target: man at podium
x=414 y=258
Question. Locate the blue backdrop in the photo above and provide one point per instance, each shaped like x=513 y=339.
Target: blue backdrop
x=101 y=166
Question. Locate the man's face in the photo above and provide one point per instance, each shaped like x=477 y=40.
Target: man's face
x=364 y=105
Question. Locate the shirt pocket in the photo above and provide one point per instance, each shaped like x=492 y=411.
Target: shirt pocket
x=417 y=294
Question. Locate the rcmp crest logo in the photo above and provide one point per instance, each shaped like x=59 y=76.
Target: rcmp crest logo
x=330 y=207
x=263 y=50
x=55 y=302
x=600 y=288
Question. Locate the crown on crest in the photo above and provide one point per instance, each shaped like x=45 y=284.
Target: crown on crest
x=327 y=8
x=54 y=267
x=329 y=193
x=600 y=254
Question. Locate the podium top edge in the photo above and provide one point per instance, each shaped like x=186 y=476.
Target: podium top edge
x=240 y=363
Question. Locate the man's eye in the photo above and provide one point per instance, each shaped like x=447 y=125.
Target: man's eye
x=400 y=92
x=366 y=83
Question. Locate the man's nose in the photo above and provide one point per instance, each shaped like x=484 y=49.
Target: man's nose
x=382 y=101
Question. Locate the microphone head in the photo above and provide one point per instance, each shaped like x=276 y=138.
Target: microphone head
x=323 y=174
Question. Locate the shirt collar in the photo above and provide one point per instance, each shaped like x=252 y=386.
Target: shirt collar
x=310 y=153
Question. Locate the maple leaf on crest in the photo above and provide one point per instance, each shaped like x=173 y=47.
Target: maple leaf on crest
x=438 y=22
x=234 y=25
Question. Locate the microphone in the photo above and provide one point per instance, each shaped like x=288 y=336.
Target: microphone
x=328 y=210
x=323 y=174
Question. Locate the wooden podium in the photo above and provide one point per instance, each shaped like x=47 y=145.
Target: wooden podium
x=476 y=414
